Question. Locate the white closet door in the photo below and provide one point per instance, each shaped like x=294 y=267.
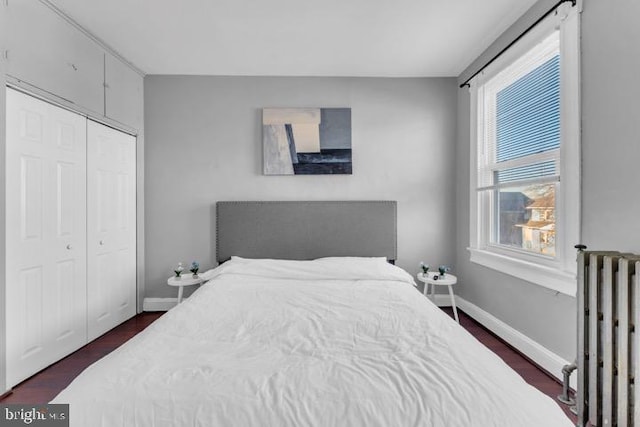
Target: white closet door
x=111 y=247
x=46 y=234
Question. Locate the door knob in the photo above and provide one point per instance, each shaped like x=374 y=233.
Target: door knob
x=69 y=246
x=101 y=242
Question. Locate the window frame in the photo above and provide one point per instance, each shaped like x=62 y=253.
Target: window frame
x=557 y=273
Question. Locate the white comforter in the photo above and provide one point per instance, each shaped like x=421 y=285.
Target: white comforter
x=331 y=342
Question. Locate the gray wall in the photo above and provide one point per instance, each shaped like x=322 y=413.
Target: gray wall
x=611 y=125
x=204 y=144
x=525 y=21
x=610 y=186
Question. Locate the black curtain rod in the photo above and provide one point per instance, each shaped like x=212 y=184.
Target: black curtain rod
x=549 y=12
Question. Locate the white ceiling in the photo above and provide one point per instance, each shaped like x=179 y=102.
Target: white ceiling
x=392 y=38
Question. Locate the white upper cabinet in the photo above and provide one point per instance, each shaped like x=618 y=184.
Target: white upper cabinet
x=51 y=54
x=124 y=97
x=46 y=51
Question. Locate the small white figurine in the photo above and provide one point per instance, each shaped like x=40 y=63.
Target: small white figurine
x=179 y=270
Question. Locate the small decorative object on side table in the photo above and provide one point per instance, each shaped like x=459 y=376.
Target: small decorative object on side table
x=443 y=270
x=179 y=270
x=195 y=266
x=433 y=280
x=181 y=282
x=424 y=267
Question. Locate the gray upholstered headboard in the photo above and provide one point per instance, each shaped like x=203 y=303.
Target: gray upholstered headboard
x=306 y=230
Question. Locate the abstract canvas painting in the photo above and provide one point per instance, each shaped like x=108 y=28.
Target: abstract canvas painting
x=306 y=141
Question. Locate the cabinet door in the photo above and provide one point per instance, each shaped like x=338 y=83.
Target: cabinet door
x=123 y=93
x=111 y=248
x=45 y=234
x=49 y=53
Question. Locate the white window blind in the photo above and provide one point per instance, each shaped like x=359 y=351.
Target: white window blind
x=522 y=120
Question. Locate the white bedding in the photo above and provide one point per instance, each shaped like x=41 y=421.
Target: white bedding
x=331 y=342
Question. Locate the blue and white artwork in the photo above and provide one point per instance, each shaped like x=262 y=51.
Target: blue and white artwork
x=306 y=141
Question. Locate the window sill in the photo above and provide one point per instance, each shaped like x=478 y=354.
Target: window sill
x=548 y=277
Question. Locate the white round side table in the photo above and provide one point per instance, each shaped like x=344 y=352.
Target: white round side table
x=181 y=282
x=447 y=280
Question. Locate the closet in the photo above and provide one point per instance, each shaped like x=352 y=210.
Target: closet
x=70 y=232
x=111 y=228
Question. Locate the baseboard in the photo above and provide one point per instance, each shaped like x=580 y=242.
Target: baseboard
x=542 y=356
x=158 y=304
x=443 y=300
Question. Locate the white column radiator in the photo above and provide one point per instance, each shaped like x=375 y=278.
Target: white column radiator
x=608 y=355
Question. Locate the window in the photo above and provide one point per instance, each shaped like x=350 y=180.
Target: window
x=525 y=150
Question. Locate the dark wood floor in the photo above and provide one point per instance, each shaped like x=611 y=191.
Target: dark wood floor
x=531 y=373
x=45 y=385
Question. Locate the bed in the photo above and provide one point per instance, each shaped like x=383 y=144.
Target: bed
x=328 y=341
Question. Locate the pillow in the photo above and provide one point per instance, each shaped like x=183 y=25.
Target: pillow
x=328 y=268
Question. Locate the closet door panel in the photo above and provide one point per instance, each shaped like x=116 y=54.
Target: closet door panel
x=111 y=228
x=46 y=234
x=67 y=225
x=31 y=198
x=30 y=304
x=66 y=313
